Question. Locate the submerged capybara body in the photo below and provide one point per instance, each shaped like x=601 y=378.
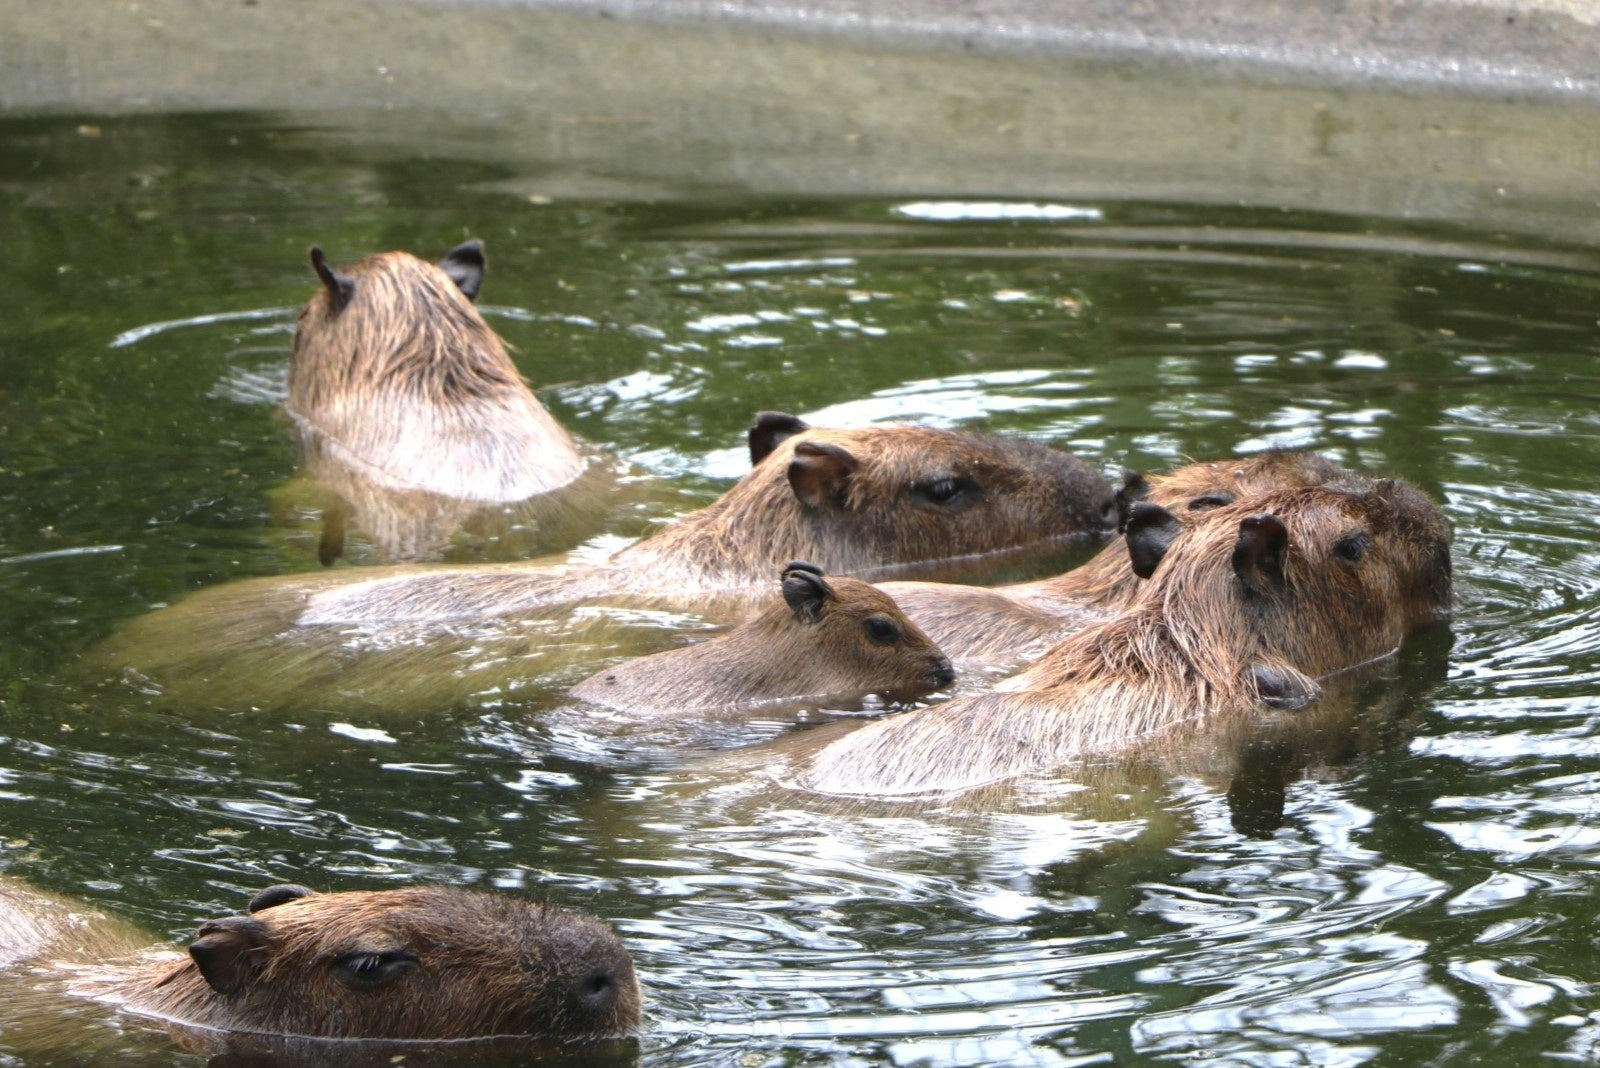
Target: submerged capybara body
x=828 y=641
x=1005 y=626
x=871 y=501
x=418 y=963
x=1246 y=609
x=412 y=417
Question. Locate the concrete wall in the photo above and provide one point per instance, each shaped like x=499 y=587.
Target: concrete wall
x=1479 y=113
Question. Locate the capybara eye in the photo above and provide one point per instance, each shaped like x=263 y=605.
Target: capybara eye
x=370 y=970
x=1210 y=501
x=943 y=490
x=881 y=630
x=1352 y=547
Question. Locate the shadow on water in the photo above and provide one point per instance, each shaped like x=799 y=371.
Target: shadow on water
x=1421 y=883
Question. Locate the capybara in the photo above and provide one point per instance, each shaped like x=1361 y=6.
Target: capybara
x=873 y=502
x=868 y=502
x=412 y=417
x=417 y=963
x=999 y=627
x=827 y=642
x=1245 y=611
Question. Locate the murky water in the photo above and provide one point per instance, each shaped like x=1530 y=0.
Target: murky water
x=1428 y=897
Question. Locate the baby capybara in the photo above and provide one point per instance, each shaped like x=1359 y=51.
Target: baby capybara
x=1246 y=609
x=1004 y=626
x=828 y=641
x=412 y=417
x=419 y=963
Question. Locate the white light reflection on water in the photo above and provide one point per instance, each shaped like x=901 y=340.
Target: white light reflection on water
x=994 y=211
x=139 y=333
x=1290 y=942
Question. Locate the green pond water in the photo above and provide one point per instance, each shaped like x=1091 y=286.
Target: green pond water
x=1429 y=896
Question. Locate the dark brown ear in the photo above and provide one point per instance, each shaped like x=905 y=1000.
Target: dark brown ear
x=806 y=591
x=230 y=952
x=277 y=895
x=1150 y=530
x=1258 y=554
x=1134 y=488
x=465 y=265
x=340 y=286
x=819 y=473
x=769 y=429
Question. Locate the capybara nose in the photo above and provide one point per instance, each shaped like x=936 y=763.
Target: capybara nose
x=942 y=674
x=599 y=991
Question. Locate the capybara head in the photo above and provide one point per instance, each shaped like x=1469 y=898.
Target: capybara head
x=426 y=962
x=855 y=639
x=871 y=499
x=395 y=320
x=1189 y=492
x=1198 y=487
x=412 y=417
x=1320 y=578
x=833 y=640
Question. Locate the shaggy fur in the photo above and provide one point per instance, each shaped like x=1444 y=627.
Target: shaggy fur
x=480 y=965
x=410 y=411
x=784 y=657
x=1205 y=640
x=1005 y=626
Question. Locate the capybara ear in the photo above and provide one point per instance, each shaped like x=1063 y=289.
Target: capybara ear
x=1280 y=686
x=1258 y=554
x=277 y=895
x=819 y=473
x=806 y=591
x=769 y=429
x=340 y=286
x=465 y=265
x=228 y=952
x=1150 y=530
x=1134 y=488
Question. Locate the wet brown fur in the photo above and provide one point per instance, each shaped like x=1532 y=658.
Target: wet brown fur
x=876 y=521
x=999 y=627
x=485 y=965
x=1187 y=653
x=783 y=657
x=412 y=415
